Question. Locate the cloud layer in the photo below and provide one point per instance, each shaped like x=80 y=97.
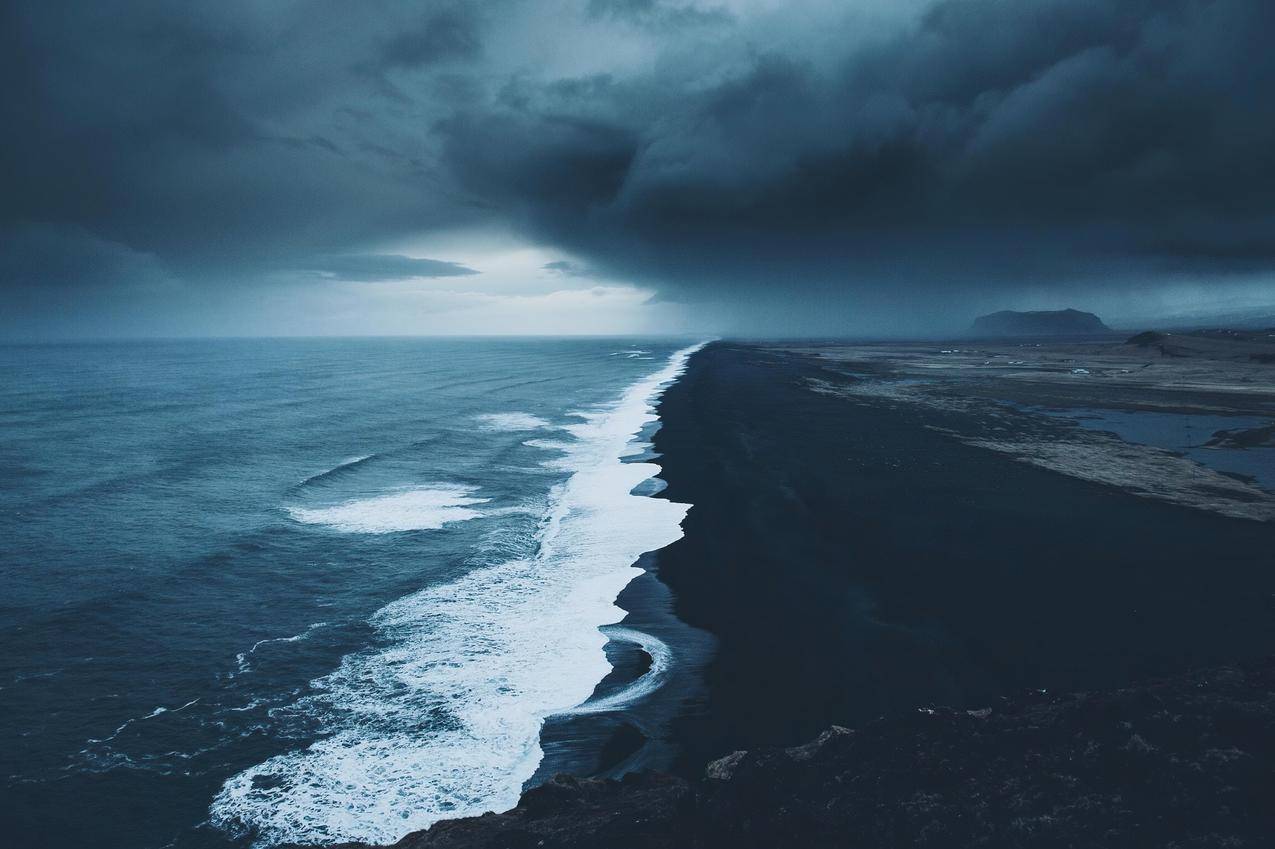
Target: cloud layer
x=823 y=156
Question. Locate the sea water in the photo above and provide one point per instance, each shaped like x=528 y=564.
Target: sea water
x=309 y=591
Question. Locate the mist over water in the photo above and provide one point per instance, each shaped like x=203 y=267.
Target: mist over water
x=249 y=577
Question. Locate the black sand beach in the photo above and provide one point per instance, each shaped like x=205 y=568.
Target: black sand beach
x=915 y=640
x=853 y=562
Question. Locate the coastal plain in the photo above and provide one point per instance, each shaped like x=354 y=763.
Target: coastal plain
x=1016 y=396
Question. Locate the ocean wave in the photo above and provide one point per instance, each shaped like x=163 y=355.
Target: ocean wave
x=421 y=509
x=343 y=466
x=512 y=422
x=442 y=718
x=243 y=660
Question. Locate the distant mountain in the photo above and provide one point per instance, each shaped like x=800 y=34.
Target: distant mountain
x=1039 y=323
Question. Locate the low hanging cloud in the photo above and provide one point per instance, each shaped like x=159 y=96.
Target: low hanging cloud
x=566 y=268
x=984 y=142
x=381 y=267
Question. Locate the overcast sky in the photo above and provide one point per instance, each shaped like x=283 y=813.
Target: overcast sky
x=597 y=166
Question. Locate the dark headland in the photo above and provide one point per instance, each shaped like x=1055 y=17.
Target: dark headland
x=946 y=617
x=1067 y=322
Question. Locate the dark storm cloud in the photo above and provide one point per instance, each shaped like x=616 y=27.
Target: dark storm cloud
x=989 y=141
x=224 y=139
x=32 y=256
x=550 y=164
x=1238 y=255
x=442 y=35
x=816 y=152
x=655 y=13
x=446 y=34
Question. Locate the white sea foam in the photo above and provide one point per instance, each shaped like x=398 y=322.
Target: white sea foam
x=420 y=509
x=512 y=421
x=649 y=682
x=443 y=718
x=548 y=444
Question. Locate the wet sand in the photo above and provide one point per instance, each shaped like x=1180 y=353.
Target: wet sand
x=640 y=735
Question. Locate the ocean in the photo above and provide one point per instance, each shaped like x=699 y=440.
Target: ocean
x=307 y=591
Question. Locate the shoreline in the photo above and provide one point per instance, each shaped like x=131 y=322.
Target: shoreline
x=686 y=594
x=636 y=734
x=639 y=736
x=858 y=567
x=854 y=562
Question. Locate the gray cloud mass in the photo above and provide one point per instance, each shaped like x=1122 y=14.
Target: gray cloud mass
x=828 y=156
x=372 y=268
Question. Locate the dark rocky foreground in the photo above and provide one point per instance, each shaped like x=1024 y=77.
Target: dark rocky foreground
x=1183 y=762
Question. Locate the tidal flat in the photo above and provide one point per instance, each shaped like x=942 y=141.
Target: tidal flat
x=1182 y=418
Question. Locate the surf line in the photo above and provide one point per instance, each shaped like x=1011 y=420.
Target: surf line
x=492 y=655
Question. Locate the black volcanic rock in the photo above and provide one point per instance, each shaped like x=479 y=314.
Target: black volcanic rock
x=1185 y=762
x=1040 y=323
x=640 y=811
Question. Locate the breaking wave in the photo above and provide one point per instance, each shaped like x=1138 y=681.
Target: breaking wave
x=343 y=466
x=420 y=509
x=441 y=719
x=512 y=422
